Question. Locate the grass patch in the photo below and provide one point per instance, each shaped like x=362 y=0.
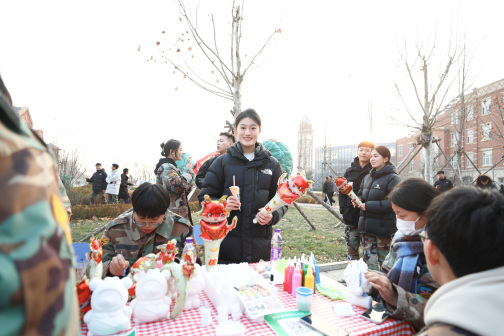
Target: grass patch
x=327 y=243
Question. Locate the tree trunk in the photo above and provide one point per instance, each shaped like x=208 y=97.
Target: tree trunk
x=428 y=162
x=237 y=106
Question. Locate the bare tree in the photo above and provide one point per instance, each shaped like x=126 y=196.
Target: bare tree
x=430 y=94
x=70 y=167
x=231 y=71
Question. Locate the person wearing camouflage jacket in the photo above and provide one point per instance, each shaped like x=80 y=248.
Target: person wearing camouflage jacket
x=406 y=283
x=37 y=275
x=178 y=183
x=138 y=231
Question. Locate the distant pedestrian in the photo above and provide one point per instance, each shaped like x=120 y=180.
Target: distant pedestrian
x=326 y=189
x=485 y=182
x=124 y=196
x=114 y=183
x=502 y=189
x=442 y=184
x=355 y=174
x=99 y=184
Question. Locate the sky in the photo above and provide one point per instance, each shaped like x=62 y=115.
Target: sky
x=82 y=69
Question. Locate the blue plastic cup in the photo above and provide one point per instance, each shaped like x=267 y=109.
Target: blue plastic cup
x=304 y=297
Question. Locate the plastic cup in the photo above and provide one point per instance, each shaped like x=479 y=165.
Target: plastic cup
x=304 y=297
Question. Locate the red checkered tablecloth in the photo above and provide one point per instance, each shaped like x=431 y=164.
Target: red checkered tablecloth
x=188 y=322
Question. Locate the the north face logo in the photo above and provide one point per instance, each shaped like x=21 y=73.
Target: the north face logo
x=377 y=186
x=267 y=171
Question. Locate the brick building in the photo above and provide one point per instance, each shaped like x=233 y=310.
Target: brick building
x=477 y=131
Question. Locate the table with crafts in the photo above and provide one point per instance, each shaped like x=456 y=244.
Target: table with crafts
x=188 y=322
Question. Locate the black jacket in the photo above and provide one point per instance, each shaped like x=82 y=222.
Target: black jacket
x=258 y=180
x=200 y=177
x=378 y=219
x=326 y=187
x=355 y=174
x=443 y=184
x=123 y=189
x=98 y=180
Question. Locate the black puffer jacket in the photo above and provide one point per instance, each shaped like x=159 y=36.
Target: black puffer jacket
x=200 y=177
x=378 y=219
x=355 y=174
x=98 y=180
x=258 y=181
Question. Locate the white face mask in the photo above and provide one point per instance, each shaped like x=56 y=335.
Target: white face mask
x=407 y=228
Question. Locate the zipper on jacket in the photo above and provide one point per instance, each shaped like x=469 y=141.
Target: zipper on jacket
x=256 y=178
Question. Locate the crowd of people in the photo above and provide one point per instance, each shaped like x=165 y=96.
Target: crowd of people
x=115 y=186
x=434 y=253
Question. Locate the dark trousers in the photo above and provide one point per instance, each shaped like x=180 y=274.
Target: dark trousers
x=330 y=197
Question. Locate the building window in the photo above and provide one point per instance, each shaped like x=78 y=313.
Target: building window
x=469 y=162
x=411 y=146
x=454 y=161
x=487 y=157
x=486 y=131
x=453 y=139
x=470 y=136
x=412 y=165
x=454 y=117
x=400 y=150
x=485 y=106
x=470 y=112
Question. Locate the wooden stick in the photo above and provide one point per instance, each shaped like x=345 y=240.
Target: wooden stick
x=234 y=182
x=304 y=216
x=331 y=210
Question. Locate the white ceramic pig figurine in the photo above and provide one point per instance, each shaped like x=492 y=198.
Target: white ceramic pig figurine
x=357 y=284
x=109 y=313
x=151 y=302
x=196 y=284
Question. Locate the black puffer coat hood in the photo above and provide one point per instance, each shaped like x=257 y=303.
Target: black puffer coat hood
x=258 y=181
x=355 y=174
x=378 y=219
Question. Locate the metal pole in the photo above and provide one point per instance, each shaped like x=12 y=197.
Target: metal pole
x=331 y=210
x=304 y=216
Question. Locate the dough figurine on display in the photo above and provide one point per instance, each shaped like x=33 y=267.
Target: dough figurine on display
x=357 y=284
x=288 y=191
x=196 y=284
x=109 y=313
x=151 y=303
x=95 y=269
x=346 y=189
x=214 y=228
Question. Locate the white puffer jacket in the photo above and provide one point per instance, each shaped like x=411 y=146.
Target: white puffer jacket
x=114 y=182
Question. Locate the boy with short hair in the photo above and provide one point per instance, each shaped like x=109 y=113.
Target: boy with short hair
x=358 y=169
x=224 y=141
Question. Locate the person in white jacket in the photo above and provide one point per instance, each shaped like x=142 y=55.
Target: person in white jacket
x=464 y=249
x=114 y=183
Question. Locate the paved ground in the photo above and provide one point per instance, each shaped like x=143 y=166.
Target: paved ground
x=333 y=271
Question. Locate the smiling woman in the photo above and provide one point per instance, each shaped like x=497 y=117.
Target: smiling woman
x=249 y=166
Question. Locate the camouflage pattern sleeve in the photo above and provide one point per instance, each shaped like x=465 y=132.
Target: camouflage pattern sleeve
x=37 y=276
x=410 y=307
x=174 y=181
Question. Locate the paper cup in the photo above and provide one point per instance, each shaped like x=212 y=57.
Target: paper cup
x=211 y=253
x=304 y=299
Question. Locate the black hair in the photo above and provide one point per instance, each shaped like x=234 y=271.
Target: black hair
x=229 y=136
x=467 y=226
x=98 y=164
x=413 y=194
x=125 y=170
x=170 y=145
x=150 y=200
x=385 y=152
x=248 y=113
x=115 y=165
x=367 y=144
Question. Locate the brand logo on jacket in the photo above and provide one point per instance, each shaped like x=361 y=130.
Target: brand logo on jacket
x=267 y=171
x=377 y=186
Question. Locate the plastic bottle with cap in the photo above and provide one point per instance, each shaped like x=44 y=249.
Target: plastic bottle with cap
x=276 y=246
x=296 y=279
x=309 y=280
x=189 y=246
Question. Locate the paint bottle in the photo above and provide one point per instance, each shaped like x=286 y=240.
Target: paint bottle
x=316 y=269
x=309 y=279
x=296 y=280
x=288 y=276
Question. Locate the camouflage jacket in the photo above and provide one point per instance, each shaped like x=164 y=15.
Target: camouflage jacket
x=411 y=306
x=123 y=235
x=37 y=275
x=178 y=183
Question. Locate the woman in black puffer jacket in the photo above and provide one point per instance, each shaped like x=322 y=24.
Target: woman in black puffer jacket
x=377 y=222
x=256 y=173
